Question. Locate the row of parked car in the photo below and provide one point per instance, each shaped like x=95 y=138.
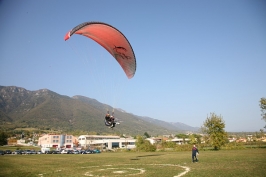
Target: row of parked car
x=88 y=151
x=19 y=152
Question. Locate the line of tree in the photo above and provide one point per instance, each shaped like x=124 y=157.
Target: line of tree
x=213 y=128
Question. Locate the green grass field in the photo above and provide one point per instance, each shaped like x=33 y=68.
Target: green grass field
x=249 y=162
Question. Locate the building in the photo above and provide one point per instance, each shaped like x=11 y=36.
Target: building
x=154 y=140
x=105 y=142
x=57 y=141
x=180 y=140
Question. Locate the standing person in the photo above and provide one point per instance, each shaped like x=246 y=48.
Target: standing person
x=195 y=151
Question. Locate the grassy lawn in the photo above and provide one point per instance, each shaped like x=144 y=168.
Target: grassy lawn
x=249 y=162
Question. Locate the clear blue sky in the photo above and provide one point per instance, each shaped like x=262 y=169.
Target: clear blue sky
x=193 y=57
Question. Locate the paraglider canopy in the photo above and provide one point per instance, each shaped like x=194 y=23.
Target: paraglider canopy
x=112 y=40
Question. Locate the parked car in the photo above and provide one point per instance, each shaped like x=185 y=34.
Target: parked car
x=2 y=152
x=8 y=152
x=88 y=151
x=65 y=151
x=45 y=150
x=71 y=151
x=17 y=152
x=75 y=152
x=53 y=152
x=33 y=152
x=28 y=152
x=96 y=151
x=82 y=152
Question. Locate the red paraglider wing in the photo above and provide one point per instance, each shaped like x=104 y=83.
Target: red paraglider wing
x=112 y=40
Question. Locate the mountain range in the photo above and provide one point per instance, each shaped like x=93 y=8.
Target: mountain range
x=45 y=109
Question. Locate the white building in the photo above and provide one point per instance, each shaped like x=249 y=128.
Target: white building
x=154 y=140
x=180 y=140
x=108 y=142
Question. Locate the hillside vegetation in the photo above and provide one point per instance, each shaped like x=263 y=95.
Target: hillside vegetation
x=45 y=109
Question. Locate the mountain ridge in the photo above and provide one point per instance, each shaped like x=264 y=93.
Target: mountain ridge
x=46 y=109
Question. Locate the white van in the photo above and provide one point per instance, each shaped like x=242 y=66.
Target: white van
x=45 y=150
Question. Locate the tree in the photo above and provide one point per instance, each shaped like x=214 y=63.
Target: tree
x=182 y=136
x=146 y=135
x=213 y=127
x=198 y=137
x=144 y=145
x=3 y=138
x=193 y=139
x=168 y=144
x=263 y=108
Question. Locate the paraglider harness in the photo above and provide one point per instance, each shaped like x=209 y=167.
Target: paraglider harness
x=110 y=120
